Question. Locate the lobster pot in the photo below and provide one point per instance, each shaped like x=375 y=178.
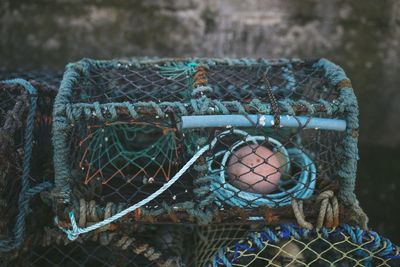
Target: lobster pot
x=201 y=139
x=24 y=128
x=291 y=245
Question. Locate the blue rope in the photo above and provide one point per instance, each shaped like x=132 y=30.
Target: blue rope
x=369 y=240
x=27 y=192
x=233 y=196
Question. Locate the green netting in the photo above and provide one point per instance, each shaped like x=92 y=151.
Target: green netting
x=113 y=151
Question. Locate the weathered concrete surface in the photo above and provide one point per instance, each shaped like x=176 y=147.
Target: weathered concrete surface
x=361 y=36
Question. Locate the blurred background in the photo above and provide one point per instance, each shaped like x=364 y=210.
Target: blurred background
x=362 y=36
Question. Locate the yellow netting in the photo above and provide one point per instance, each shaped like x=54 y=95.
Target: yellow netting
x=290 y=245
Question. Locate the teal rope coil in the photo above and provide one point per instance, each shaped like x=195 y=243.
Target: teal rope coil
x=27 y=192
x=233 y=196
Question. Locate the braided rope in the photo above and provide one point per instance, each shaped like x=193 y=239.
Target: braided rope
x=348 y=104
x=26 y=191
x=109 y=111
x=297 y=206
x=328 y=213
x=274 y=103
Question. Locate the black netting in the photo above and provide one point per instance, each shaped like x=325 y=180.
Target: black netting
x=85 y=254
x=47 y=83
x=13 y=109
x=45 y=78
x=16 y=104
x=138 y=245
x=168 y=81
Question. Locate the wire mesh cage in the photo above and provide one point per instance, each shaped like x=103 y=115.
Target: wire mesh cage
x=202 y=140
x=24 y=154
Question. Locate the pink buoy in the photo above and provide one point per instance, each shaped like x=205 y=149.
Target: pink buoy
x=254 y=168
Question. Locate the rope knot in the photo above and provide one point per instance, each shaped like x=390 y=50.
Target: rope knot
x=329 y=210
x=328 y=213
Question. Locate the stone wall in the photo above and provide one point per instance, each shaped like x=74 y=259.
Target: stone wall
x=362 y=36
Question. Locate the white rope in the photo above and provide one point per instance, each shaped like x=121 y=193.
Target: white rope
x=76 y=231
